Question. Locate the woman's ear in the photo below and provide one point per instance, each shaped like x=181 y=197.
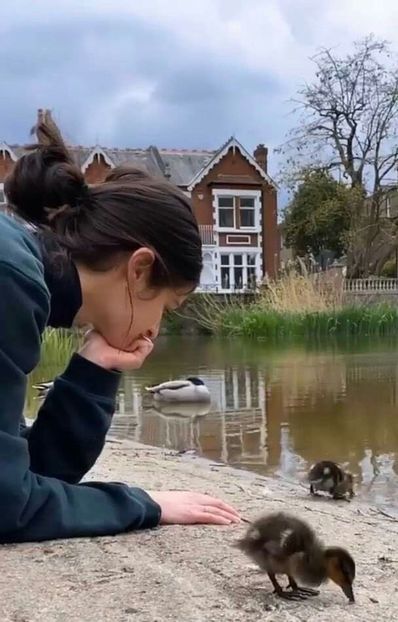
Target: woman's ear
x=140 y=265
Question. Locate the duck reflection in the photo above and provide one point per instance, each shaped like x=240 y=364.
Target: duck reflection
x=187 y=410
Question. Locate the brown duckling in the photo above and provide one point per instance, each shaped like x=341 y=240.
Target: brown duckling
x=327 y=476
x=282 y=544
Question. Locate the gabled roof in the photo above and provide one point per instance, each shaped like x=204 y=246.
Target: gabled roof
x=184 y=167
x=96 y=151
x=179 y=165
x=5 y=147
x=232 y=143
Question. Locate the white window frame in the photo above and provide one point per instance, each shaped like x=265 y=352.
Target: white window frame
x=244 y=251
x=230 y=240
x=219 y=209
x=253 y=209
x=228 y=193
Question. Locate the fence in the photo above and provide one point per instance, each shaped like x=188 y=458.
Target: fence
x=371 y=285
x=207 y=234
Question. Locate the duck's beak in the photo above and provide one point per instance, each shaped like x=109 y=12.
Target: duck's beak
x=347 y=589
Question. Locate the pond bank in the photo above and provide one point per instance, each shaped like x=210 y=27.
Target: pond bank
x=193 y=574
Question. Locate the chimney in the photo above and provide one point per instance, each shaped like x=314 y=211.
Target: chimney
x=261 y=156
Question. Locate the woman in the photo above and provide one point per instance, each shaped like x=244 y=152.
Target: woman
x=115 y=257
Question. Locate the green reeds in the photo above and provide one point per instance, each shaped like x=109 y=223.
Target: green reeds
x=260 y=322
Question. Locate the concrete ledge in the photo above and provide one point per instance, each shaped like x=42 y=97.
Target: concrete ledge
x=193 y=574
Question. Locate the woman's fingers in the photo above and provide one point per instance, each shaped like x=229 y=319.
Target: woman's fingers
x=125 y=360
x=207 y=500
x=97 y=350
x=189 y=508
x=201 y=516
x=215 y=511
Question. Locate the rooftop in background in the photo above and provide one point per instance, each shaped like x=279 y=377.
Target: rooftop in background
x=183 y=167
x=179 y=165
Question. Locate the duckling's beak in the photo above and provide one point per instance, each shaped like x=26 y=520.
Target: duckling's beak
x=347 y=589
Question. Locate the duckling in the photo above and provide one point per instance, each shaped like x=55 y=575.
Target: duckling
x=282 y=544
x=329 y=477
x=190 y=390
x=43 y=388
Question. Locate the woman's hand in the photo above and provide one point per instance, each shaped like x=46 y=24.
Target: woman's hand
x=189 y=508
x=98 y=351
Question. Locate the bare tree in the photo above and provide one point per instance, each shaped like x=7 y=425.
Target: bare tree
x=349 y=124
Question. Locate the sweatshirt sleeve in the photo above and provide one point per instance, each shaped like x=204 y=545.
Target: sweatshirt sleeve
x=69 y=432
x=40 y=507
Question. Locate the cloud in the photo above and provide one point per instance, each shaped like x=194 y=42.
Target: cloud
x=184 y=74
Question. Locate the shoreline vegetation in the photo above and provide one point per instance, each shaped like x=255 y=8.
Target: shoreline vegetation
x=293 y=307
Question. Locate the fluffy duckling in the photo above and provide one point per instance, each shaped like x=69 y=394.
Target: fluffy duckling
x=190 y=390
x=282 y=544
x=329 y=477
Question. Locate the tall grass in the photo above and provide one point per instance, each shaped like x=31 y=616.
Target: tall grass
x=297 y=306
x=57 y=348
x=300 y=293
x=260 y=322
x=59 y=345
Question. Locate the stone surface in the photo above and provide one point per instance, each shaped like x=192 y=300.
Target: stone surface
x=193 y=574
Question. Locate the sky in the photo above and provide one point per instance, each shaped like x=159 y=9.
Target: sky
x=175 y=73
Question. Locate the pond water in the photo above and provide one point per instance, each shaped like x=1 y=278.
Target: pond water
x=275 y=410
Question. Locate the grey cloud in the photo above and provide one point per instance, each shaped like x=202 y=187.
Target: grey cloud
x=79 y=66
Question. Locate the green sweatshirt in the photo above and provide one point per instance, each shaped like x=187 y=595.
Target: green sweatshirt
x=40 y=467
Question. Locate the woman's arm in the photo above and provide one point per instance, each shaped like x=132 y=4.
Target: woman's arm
x=37 y=507
x=69 y=432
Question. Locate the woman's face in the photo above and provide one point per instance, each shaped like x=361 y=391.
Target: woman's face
x=121 y=305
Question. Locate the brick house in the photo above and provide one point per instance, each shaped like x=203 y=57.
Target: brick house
x=234 y=199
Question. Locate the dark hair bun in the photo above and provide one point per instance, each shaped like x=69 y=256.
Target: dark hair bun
x=45 y=178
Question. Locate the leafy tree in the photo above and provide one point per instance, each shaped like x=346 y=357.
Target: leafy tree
x=349 y=125
x=318 y=216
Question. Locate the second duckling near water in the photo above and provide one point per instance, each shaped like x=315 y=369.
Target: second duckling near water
x=283 y=544
x=328 y=476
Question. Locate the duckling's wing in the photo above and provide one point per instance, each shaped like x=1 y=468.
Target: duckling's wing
x=273 y=548
x=297 y=537
x=172 y=385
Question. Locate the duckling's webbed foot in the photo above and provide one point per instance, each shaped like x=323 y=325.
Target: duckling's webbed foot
x=306 y=591
x=283 y=593
x=290 y=595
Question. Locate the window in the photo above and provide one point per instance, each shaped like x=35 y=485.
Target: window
x=237 y=210
x=226 y=212
x=238 y=271
x=225 y=272
x=251 y=271
x=2 y=196
x=247 y=215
